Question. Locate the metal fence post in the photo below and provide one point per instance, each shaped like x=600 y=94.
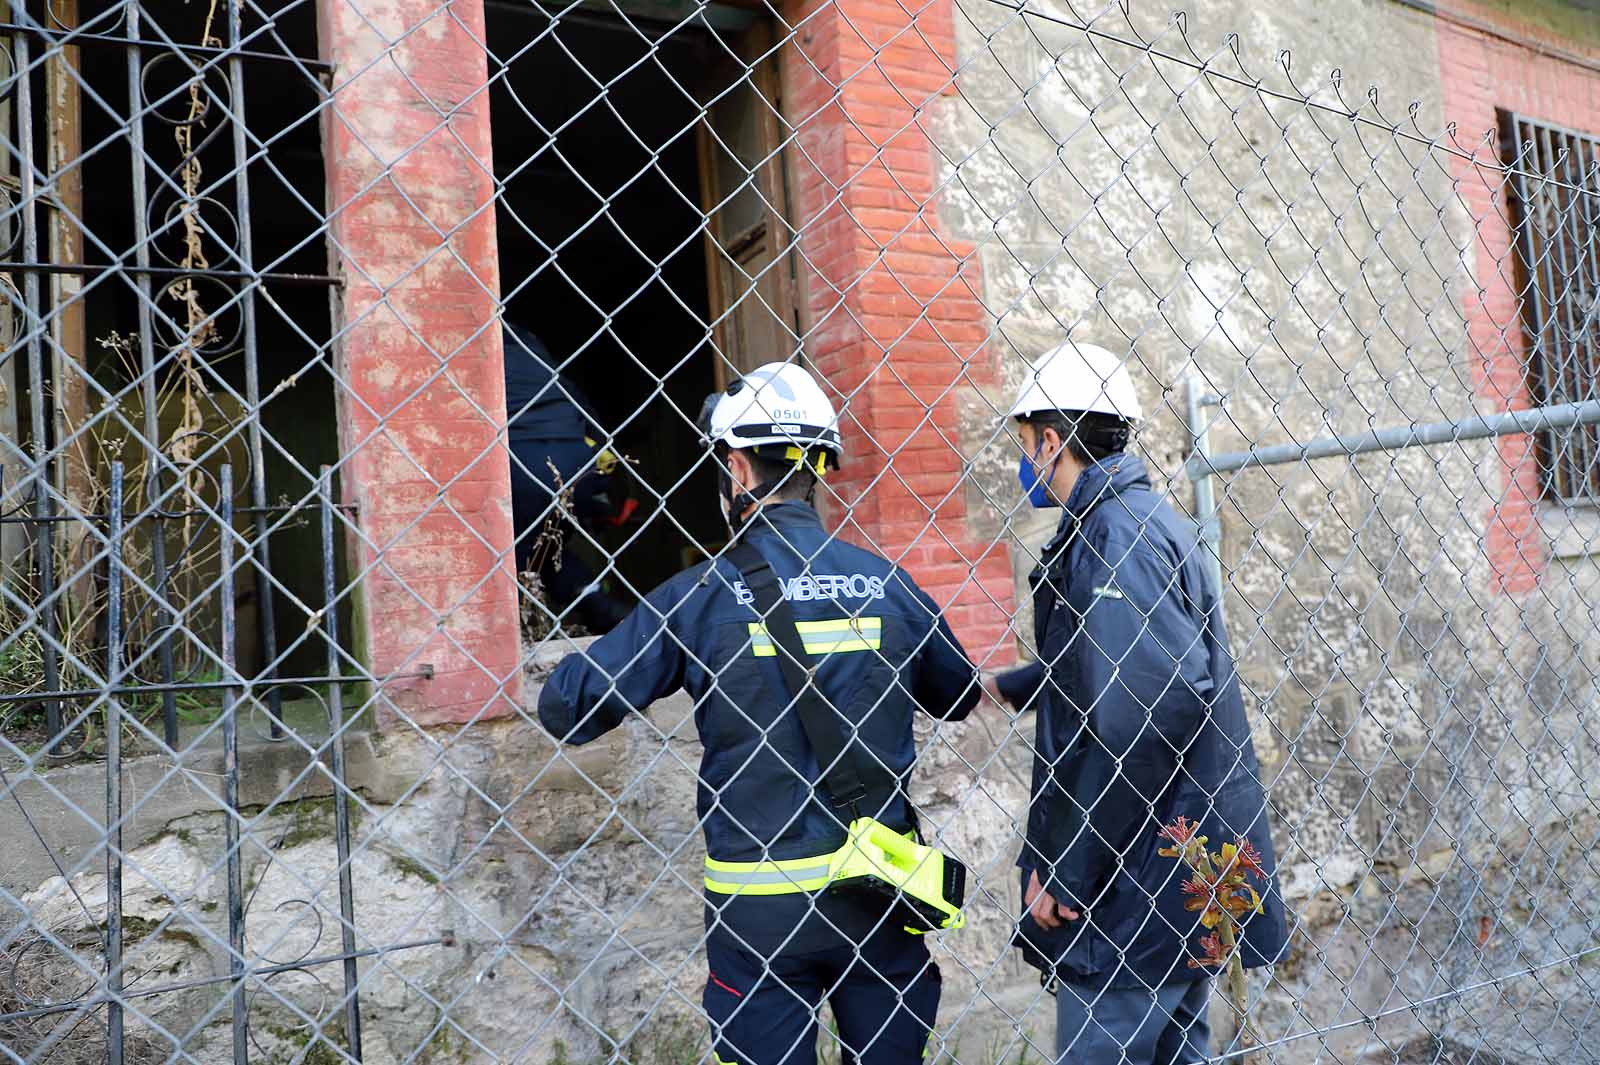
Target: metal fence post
x=341 y=796
x=1197 y=398
x=114 y=1018
x=43 y=455
x=149 y=396
x=266 y=610
x=230 y=772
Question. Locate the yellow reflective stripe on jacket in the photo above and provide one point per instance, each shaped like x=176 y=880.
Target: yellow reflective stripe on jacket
x=788 y=877
x=835 y=636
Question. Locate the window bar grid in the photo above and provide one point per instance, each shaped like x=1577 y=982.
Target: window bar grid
x=1558 y=229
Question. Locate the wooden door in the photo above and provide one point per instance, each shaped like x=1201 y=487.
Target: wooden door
x=750 y=257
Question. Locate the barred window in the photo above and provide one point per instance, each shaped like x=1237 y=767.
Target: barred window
x=1556 y=210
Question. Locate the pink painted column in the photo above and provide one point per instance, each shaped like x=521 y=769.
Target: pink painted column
x=421 y=390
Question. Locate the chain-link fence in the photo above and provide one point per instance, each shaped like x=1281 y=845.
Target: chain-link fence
x=350 y=381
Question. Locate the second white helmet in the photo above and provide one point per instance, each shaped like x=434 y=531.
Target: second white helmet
x=1079 y=377
x=776 y=404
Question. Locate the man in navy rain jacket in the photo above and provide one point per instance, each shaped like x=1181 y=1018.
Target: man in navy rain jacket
x=776 y=945
x=1140 y=722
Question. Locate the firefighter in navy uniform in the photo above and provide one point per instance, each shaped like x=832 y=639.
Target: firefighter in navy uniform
x=780 y=939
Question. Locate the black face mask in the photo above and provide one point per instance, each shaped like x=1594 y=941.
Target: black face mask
x=733 y=502
x=737 y=501
x=732 y=499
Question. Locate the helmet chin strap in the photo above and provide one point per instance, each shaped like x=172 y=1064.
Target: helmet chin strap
x=735 y=501
x=739 y=500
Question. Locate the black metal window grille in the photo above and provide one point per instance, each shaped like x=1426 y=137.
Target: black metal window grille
x=1556 y=211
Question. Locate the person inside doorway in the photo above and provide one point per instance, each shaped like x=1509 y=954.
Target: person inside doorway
x=562 y=477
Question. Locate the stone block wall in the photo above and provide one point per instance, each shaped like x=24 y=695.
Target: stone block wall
x=1412 y=666
x=516 y=902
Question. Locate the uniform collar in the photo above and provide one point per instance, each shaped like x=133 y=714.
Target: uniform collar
x=1103 y=480
x=1098 y=482
x=787 y=514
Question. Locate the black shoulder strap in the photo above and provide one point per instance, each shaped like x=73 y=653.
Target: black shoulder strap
x=839 y=761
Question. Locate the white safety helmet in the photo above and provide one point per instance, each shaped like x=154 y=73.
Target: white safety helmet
x=1079 y=377
x=779 y=410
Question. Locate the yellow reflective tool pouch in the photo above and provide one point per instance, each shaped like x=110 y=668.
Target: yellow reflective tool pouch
x=930 y=884
x=927 y=884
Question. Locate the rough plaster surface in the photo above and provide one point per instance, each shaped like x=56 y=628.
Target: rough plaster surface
x=1318 y=273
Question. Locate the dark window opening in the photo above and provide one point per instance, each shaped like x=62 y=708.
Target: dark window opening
x=1556 y=209
x=181 y=382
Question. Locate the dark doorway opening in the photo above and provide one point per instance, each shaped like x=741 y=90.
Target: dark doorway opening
x=602 y=228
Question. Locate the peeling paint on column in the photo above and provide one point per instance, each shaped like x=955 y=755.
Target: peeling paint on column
x=422 y=398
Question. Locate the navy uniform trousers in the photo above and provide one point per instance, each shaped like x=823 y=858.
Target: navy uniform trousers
x=884 y=996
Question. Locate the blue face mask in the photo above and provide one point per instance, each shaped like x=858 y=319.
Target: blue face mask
x=1034 y=482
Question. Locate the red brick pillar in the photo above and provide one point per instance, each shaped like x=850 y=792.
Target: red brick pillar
x=896 y=319
x=420 y=383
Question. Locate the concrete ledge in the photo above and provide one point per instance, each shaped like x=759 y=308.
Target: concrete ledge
x=544 y=656
x=67 y=803
x=1571 y=531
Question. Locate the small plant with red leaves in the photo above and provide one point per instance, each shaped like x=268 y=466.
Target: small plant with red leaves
x=1218 y=888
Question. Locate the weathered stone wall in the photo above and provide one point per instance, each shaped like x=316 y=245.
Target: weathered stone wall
x=1320 y=269
x=568 y=884
x=543 y=906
